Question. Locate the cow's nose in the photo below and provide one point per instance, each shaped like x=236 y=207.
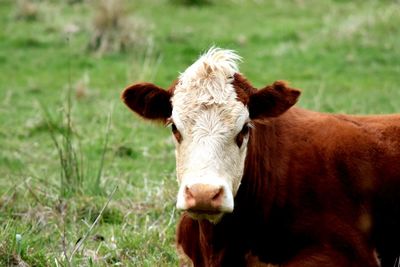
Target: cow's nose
x=204 y=198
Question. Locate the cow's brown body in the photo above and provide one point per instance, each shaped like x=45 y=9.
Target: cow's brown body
x=317 y=190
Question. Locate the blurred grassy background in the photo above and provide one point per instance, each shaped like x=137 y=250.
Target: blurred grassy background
x=344 y=55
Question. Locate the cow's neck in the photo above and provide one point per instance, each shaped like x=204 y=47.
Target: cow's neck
x=259 y=192
x=265 y=169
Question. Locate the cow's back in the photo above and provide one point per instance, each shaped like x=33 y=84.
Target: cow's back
x=351 y=166
x=371 y=141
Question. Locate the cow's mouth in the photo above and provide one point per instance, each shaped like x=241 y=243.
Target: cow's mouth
x=211 y=215
x=204 y=212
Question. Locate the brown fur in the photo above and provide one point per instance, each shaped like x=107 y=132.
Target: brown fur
x=243 y=88
x=318 y=190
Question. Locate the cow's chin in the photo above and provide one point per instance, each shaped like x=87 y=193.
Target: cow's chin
x=213 y=217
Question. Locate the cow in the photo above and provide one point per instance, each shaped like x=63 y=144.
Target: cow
x=262 y=181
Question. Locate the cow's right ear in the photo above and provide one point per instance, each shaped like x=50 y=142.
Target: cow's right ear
x=272 y=100
x=148 y=100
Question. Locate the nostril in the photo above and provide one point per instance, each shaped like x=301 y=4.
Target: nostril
x=188 y=193
x=218 y=194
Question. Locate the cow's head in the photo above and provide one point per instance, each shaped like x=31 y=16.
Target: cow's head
x=210 y=109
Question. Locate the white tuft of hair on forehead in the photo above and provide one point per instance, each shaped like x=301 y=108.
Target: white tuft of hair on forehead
x=209 y=76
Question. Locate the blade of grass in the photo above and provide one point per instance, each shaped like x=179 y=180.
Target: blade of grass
x=101 y=164
x=83 y=239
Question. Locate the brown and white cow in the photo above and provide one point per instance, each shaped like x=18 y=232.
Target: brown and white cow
x=264 y=182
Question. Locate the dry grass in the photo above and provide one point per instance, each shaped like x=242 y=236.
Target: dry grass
x=26 y=10
x=114 y=30
x=87 y=231
x=146 y=65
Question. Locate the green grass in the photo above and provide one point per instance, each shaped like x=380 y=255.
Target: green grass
x=345 y=55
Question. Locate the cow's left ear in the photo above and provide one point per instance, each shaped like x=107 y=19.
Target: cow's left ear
x=148 y=100
x=272 y=100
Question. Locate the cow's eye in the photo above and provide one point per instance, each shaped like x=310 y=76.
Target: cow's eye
x=176 y=133
x=243 y=133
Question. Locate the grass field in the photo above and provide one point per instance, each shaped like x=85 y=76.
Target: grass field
x=344 y=55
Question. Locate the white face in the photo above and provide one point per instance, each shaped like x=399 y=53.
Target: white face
x=208 y=118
